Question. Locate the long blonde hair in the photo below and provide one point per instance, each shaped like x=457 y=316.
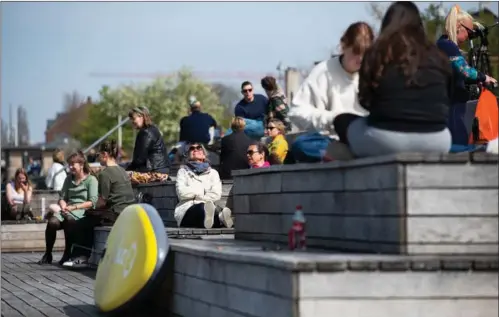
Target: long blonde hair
x=456 y=15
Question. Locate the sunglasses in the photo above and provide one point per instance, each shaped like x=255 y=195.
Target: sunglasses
x=271 y=128
x=247 y=90
x=197 y=148
x=251 y=152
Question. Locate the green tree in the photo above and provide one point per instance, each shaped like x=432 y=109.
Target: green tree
x=98 y=122
x=167 y=100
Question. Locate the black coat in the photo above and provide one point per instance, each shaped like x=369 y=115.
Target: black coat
x=233 y=153
x=149 y=154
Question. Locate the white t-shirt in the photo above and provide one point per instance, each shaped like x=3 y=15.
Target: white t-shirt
x=327 y=92
x=56 y=176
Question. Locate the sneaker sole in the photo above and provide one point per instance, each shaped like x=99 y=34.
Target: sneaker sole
x=209 y=213
x=227 y=218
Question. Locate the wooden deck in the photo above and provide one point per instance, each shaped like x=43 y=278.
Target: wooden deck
x=29 y=289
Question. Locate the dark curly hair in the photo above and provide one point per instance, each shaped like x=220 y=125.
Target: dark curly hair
x=402 y=42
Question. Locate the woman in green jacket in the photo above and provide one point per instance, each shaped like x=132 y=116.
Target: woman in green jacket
x=79 y=193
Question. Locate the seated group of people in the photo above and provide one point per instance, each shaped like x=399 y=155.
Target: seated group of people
x=393 y=93
x=85 y=202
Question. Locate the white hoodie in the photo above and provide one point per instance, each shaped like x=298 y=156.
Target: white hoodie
x=327 y=92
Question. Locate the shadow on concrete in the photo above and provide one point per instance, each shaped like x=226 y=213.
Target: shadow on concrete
x=85 y=310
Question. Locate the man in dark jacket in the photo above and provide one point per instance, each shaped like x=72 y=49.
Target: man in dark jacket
x=233 y=149
x=195 y=128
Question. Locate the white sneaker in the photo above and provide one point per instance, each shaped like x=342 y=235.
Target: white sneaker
x=225 y=217
x=209 y=213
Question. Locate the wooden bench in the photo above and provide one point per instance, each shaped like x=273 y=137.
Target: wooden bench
x=400 y=204
x=164 y=198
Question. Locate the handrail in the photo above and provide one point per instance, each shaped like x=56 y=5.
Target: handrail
x=108 y=133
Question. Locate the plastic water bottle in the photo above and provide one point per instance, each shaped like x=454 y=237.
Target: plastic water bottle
x=43 y=208
x=296 y=234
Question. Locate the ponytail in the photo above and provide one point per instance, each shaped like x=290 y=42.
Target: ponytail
x=456 y=15
x=451 y=23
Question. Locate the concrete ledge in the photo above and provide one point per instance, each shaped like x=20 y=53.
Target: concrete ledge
x=225 y=277
x=164 y=198
x=51 y=197
x=27 y=237
x=401 y=204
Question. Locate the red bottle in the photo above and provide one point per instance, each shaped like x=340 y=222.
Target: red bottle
x=296 y=235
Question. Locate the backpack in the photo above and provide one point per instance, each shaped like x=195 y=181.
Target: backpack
x=485 y=127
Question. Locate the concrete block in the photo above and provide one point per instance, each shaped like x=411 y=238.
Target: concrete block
x=400 y=307
x=452 y=176
x=314 y=180
x=258 y=183
x=453 y=202
x=377 y=177
x=457 y=230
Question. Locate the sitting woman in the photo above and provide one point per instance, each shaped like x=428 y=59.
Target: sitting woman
x=115 y=194
x=150 y=159
x=198 y=188
x=278 y=105
x=278 y=146
x=258 y=155
x=78 y=194
x=18 y=194
x=331 y=87
x=56 y=174
x=404 y=84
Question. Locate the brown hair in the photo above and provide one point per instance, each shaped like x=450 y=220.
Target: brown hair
x=79 y=157
x=110 y=147
x=278 y=124
x=16 y=174
x=58 y=156
x=238 y=124
x=403 y=43
x=269 y=83
x=143 y=112
x=359 y=37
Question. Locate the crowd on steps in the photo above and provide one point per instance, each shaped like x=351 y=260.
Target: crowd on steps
x=390 y=93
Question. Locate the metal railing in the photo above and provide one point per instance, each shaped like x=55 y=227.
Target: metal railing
x=108 y=133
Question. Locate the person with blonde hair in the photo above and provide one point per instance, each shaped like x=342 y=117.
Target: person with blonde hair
x=56 y=175
x=278 y=146
x=233 y=149
x=458 y=25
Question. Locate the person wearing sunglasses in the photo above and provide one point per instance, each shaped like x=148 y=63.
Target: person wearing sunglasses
x=257 y=155
x=278 y=146
x=458 y=25
x=252 y=106
x=198 y=187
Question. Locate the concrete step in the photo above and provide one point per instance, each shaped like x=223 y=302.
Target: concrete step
x=27 y=237
x=402 y=204
x=224 y=277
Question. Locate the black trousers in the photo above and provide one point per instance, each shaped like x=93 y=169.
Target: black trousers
x=83 y=235
x=341 y=124
x=194 y=217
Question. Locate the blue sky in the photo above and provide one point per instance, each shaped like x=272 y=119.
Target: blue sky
x=50 y=48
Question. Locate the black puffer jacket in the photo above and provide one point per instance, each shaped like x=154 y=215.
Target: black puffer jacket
x=149 y=154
